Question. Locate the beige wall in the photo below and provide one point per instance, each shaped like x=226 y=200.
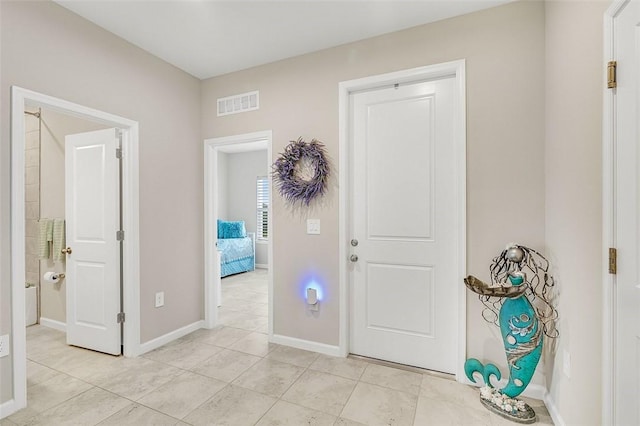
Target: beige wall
x=504 y=50
x=574 y=85
x=50 y=50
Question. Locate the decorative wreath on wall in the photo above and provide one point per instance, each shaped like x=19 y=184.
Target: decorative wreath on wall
x=302 y=171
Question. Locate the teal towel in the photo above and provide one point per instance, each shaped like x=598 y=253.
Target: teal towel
x=45 y=236
x=58 y=240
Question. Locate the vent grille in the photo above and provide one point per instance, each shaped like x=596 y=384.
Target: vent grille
x=239 y=103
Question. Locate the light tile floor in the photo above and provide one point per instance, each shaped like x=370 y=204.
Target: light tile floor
x=233 y=376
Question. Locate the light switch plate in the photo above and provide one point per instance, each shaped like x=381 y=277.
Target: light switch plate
x=313 y=226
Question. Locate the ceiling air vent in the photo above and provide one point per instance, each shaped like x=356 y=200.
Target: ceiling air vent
x=239 y=103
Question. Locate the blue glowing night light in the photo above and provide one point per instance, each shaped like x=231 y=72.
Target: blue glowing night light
x=311 y=282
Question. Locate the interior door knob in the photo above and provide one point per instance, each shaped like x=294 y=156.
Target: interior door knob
x=66 y=250
x=353 y=258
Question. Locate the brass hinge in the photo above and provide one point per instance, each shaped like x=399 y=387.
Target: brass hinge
x=613 y=260
x=120 y=317
x=612 y=82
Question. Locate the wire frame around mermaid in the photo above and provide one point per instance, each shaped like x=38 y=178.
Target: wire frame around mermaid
x=301 y=172
x=538 y=286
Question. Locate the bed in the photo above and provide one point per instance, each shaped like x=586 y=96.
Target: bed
x=237 y=248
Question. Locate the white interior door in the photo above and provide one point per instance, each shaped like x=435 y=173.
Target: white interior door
x=404 y=217
x=627 y=234
x=93 y=215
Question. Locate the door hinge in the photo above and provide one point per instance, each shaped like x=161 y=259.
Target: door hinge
x=120 y=235
x=120 y=317
x=612 y=81
x=613 y=260
x=119 y=153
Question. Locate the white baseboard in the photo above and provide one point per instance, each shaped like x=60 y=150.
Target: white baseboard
x=550 y=403
x=9 y=407
x=307 y=345
x=170 y=337
x=56 y=325
x=262 y=266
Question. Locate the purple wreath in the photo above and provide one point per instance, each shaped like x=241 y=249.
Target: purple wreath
x=286 y=171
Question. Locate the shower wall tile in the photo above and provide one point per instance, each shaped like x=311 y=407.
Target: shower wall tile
x=31 y=228
x=32 y=175
x=32 y=139
x=32 y=210
x=32 y=199
x=32 y=264
x=31 y=122
x=32 y=193
x=31 y=245
x=32 y=277
x=32 y=157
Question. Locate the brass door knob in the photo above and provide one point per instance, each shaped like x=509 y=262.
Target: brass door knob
x=67 y=250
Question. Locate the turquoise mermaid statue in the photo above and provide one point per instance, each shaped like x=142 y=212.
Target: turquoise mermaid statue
x=523 y=310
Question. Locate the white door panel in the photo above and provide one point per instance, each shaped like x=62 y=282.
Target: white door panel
x=627 y=305
x=403 y=214
x=92 y=220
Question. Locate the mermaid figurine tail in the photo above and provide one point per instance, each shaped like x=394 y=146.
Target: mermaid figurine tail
x=522 y=337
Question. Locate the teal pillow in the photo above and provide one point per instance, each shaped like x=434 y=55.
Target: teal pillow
x=231 y=229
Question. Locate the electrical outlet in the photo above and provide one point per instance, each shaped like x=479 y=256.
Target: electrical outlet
x=4 y=345
x=159 y=299
x=566 y=363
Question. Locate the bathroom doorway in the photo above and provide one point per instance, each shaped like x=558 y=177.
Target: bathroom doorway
x=25 y=100
x=45 y=263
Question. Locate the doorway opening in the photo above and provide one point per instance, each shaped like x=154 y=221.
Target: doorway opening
x=354 y=250
x=45 y=263
x=25 y=100
x=237 y=194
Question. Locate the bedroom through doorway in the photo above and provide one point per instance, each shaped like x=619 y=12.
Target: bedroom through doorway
x=238 y=232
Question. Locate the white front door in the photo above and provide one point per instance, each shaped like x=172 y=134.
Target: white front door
x=92 y=210
x=403 y=209
x=627 y=234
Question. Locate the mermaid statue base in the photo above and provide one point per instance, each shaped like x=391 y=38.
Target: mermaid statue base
x=522 y=328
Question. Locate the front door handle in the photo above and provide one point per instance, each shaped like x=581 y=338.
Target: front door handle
x=353 y=258
x=66 y=250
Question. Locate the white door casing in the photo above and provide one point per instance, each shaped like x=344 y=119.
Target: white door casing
x=20 y=98
x=255 y=141
x=403 y=192
x=92 y=209
x=621 y=227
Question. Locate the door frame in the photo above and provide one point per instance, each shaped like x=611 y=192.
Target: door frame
x=211 y=190
x=608 y=221
x=456 y=70
x=21 y=98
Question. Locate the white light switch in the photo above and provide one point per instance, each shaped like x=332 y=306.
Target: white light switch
x=313 y=226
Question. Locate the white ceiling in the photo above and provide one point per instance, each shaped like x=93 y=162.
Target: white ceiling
x=207 y=38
